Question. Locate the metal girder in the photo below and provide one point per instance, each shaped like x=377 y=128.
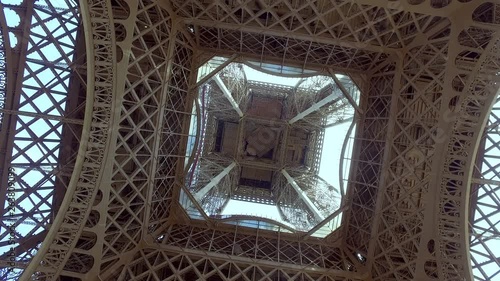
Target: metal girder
x=228 y=95
x=315 y=107
x=338 y=22
x=458 y=165
x=294 y=52
x=54 y=253
x=33 y=139
x=160 y=122
x=253 y=247
x=344 y=91
x=240 y=136
x=203 y=191
x=12 y=90
x=215 y=71
x=303 y=196
x=275 y=31
x=264 y=264
x=283 y=144
x=486 y=181
x=380 y=189
x=442 y=67
x=425 y=7
x=325 y=221
x=485 y=202
x=42 y=116
x=418 y=185
x=108 y=179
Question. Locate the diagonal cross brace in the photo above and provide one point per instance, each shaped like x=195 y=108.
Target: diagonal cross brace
x=303 y=196
x=202 y=192
x=331 y=97
x=227 y=94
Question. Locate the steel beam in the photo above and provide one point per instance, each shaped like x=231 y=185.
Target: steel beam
x=215 y=71
x=227 y=94
x=42 y=116
x=274 y=31
x=200 y=194
x=325 y=221
x=260 y=263
x=340 y=122
x=485 y=181
x=315 y=107
x=345 y=92
x=303 y=196
x=16 y=62
x=426 y=9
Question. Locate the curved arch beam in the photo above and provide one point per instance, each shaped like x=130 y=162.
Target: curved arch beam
x=68 y=224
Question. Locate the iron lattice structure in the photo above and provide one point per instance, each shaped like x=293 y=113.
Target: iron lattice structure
x=96 y=100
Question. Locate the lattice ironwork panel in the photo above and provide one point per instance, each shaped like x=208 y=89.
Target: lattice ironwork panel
x=175 y=118
x=67 y=226
x=287 y=50
x=484 y=186
x=172 y=265
x=263 y=247
x=347 y=22
x=39 y=45
x=264 y=256
x=426 y=117
x=146 y=41
x=368 y=159
x=430 y=82
x=484 y=217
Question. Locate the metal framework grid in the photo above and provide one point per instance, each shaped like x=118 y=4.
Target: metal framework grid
x=213 y=176
x=428 y=72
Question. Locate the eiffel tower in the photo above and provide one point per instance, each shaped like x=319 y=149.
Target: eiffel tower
x=249 y=140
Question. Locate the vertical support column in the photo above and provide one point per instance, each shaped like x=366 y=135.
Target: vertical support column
x=159 y=124
x=120 y=68
x=71 y=131
x=385 y=160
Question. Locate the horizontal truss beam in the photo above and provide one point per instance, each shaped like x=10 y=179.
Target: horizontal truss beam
x=262 y=262
x=43 y=116
x=279 y=33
